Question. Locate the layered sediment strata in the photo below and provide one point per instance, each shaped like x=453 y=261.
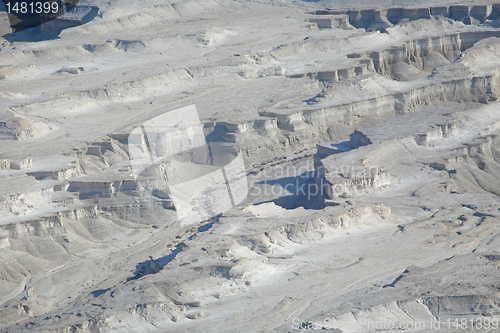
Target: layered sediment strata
x=340 y=174
x=355 y=183
x=331 y=22
x=17 y=165
x=305 y=122
x=468 y=154
x=381 y=19
x=19 y=128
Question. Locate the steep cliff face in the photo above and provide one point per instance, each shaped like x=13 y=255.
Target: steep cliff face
x=381 y=19
x=363 y=96
x=475 y=166
x=427 y=63
x=461 y=148
x=355 y=185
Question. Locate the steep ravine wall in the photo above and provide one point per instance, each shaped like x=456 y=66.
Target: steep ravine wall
x=384 y=18
x=423 y=54
x=286 y=131
x=300 y=129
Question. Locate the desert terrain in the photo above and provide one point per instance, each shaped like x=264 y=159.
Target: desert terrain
x=369 y=132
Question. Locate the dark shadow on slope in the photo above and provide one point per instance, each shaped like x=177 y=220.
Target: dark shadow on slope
x=301 y=191
x=97 y=293
x=36 y=28
x=207 y=226
x=153 y=266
